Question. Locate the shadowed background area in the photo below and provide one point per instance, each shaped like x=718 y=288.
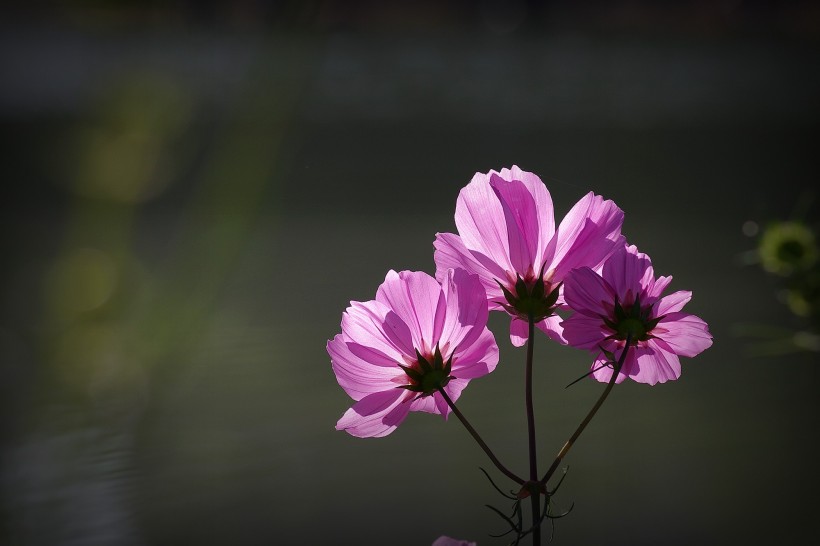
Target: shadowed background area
x=193 y=193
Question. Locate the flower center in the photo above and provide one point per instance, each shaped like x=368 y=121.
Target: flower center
x=427 y=375
x=632 y=327
x=530 y=298
x=634 y=322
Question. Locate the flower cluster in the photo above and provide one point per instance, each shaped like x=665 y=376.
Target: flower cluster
x=416 y=346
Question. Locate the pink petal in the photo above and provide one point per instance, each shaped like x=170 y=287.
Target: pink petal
x=543 y=202
x=603 y=373
x=453 y=389
x=627 y=271
x=447 y=541
x=466 y=306
x=552 y=327
x=417 y=299
x=686 y=335
x=589 y=249
x=427 y=404
x=399 y=412
x=584 y=332
x=589 y=233
x=655 y=365
x=358 y=377
x=378 y=335
x=522 y=221
x=519 y=332
x=368 y=418
x=657 y=286
x=435 y=403
x=477 y=359
x=672 y=303
x=480 y=221
x=452 y=254
x=587 y=293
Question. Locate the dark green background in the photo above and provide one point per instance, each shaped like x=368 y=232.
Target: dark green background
x=192 y=196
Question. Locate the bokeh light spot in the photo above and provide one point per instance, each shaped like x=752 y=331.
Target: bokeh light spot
x=81 y=281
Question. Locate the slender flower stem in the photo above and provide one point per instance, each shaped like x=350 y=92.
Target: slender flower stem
x=535 y=495
x=590 y=415
x=478 y=439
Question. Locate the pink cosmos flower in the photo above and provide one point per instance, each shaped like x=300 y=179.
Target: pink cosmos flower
x=417 y=336
x=447 y=541
x=626 y=300
x=507 y=236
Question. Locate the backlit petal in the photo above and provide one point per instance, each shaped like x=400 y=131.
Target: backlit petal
x=379 y=335
x=589 y=233
x=587 y=293
x=417 y=299
x=656 y=365
x=521 y=217
x=686 y=335
x=552 y=327
x=466 y=311
x=358 y=377
x=519 y=332
x=477 y=359
x=480 y=221
x=672 y=303
x=367 y=417
x=625 y=270
x=603 y=372
x=543 y=202
x=452 y=254
x=584 y=332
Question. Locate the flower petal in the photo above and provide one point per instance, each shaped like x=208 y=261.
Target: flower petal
x=447 y=541
x=453 y=389
x=603 y=372
x=686 y=335
x=379 y=336
x=552 y=327
x=589 y=233
x=672 y=303
x=452 y=254
x=356 y=376
x=435 y=403
x=521 y=217
x=657 y=286
x=519 y=332
x=477 y=359
x=480 y=221
x=587 y=293
x=368 y=418
x=655 y=365
x=467 y=311
x=543 y=202
x=583 y=332
x=627 y=271
x=417 y=299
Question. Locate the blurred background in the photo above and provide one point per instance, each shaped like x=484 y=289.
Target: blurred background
x=194 y=191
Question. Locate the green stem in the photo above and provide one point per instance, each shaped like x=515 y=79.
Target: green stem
x=478 y=439
x=535 y=495
x=590 y=415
